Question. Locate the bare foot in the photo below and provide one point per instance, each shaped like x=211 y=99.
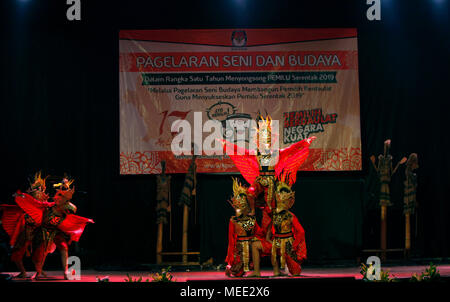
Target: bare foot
x=279 y=274
x=228 y=272
x=22 y=275
x=37 y=276
x=254 y=274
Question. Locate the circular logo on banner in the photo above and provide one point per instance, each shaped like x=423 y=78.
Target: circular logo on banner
x=220 y=111
x=237 y=127
x=239 y=38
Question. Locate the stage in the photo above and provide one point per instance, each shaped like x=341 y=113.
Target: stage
x=311 y=274
x=214 y=285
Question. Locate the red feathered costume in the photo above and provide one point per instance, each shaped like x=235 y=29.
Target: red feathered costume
x=288 y=235
x=50 y=224
x=243 y=232
x=288 y=241
x=264 y=170
x=263 y=177
x=59 y=228
x=21 y=222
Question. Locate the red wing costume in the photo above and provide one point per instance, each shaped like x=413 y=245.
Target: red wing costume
x=31 y=206
x=74 y=226
x=271 y=175
x=243 y=231
x=13 y=221
x=262 y=177
x=59 y=228
x=288 y=235
x=51 y=224
x=21 y=221
x=290 y=159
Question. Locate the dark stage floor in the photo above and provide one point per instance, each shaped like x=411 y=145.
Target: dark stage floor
x=400 y=272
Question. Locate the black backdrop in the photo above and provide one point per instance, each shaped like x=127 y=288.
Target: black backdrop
x=59 y=105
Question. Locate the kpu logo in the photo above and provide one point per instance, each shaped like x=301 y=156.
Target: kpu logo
x=239 y=38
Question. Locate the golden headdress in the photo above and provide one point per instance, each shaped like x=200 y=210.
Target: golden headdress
x=264 y=129
x=239 y=199
x=65 y=192
x=284 y=195
x=38 y=183
x=64 y=184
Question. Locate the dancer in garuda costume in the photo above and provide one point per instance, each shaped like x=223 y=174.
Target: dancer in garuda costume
x=244 y=235
x=288 y=235
x=261 y=169
x=22 y=221
x=59 y=227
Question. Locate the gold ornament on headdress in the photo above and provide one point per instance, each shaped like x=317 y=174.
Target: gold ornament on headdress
x=264 y=129
x=284 y=195
x=64 y=184
x=64 y=191
x=39 y=182
x=239 y=200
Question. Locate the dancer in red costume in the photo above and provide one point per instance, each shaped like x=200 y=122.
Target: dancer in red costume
x=288 y=235
x=59 y=227
x=36 y=227
x=244 y=235
x=22 y=221
x=263 y=169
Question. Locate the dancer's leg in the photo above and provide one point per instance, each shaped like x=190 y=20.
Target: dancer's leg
x=256 y=248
